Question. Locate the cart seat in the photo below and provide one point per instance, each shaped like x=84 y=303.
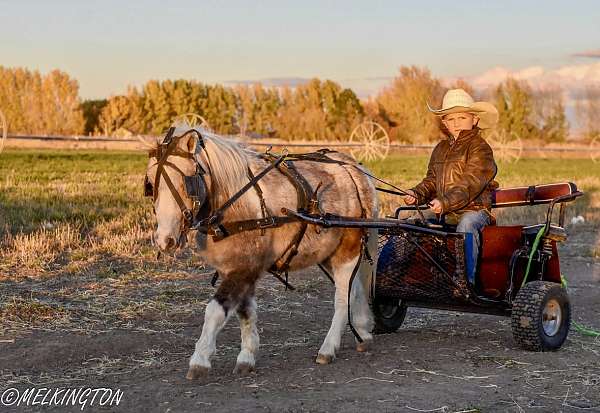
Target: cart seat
x=531 y=195
x=555 y=232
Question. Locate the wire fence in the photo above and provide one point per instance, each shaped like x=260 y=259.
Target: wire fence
x=507 y=152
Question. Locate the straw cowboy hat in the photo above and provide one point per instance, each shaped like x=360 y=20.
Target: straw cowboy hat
x=457 y=101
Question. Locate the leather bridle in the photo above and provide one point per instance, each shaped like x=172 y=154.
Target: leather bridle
x=194 y=185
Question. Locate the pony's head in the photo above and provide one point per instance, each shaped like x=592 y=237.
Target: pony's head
x=190 y=173
x=177 y=181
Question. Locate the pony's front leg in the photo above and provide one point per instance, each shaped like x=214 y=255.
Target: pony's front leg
x=333 y=339
x=229 y=294
x=215 y=317
x=250 y=340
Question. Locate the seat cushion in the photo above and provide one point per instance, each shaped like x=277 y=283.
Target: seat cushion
x=531 y=195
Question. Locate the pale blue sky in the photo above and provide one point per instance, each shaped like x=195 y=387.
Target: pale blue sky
x=110 y=44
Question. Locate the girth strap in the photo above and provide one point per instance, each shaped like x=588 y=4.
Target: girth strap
x=263 y=206
x=303 y=191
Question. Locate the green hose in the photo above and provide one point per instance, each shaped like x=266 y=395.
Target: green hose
x=581 y=329
x=534 y=248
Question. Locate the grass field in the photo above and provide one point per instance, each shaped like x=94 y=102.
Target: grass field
x=76 y=211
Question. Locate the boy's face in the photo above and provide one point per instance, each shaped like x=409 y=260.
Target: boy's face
x=455 y=122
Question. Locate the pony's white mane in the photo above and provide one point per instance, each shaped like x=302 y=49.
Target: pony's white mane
x=228 y=164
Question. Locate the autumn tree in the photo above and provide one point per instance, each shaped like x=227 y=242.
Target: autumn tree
x=61 y=104
x=588 y=112
x=464 y=85
x=123 y=112
x=549 y=112
x=257 y=109
x=515 y=103
x=38 y=104
x=91 y=110
x=318 y=111
x=404 y=104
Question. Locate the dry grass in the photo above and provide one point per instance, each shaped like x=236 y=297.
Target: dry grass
x=76 y=212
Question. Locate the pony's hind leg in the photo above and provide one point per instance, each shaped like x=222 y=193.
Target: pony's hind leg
x=218 y=311
x=362 y=319
x=246 y=359
x=342 y=265
x=331 y=344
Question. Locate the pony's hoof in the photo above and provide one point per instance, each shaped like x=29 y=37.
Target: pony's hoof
x=243 y=369
x=364 y=346
x=324 y=359
x=196 y=372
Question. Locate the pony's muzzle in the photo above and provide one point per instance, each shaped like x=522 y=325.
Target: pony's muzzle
x=165 y=243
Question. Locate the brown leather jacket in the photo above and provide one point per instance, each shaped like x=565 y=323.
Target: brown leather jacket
x=460 y=174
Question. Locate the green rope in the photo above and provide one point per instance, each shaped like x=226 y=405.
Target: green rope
x=581 y=329
x=534 y=248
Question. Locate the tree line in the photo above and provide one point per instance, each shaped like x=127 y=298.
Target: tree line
x=318 y=110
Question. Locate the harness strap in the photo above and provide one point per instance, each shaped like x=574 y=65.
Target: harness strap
x=156 y=153
x=263 y=206
x=187 y=213
x=214 y=220
x=303 y=190
x=231 y=228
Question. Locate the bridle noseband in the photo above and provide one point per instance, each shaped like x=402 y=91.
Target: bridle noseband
x=194 y=185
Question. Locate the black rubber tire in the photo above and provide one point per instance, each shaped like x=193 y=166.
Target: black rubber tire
x=526 y=317
x=388 y=313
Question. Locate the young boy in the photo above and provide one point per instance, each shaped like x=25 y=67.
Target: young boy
x=461 y=171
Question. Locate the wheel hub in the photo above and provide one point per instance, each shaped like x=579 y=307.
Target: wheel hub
x=551 y=317
x=389 y=309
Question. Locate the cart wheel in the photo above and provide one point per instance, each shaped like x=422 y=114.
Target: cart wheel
x=389 y=313
x=373 y=142
x=191 y=120
x=508 y=148
x=541 y=316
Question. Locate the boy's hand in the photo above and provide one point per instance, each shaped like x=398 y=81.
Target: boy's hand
x=410 y=198
x=436 y=206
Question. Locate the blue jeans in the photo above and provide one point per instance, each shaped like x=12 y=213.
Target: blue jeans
x=472 y=222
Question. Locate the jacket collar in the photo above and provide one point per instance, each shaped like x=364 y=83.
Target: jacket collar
x=463 y=135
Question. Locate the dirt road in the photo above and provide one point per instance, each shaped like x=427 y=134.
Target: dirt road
x=135 y=331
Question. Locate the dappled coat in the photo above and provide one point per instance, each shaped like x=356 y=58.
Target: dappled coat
x=460 y=174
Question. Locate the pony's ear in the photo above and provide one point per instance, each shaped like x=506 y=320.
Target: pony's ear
x=189 y=142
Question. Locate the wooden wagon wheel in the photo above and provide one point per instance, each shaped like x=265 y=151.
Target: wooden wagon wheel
x=374 y=139
x=191 y=120
x=595 y=149
x=3 y=131
x=508 y=148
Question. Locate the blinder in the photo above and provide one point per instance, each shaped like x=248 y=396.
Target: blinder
x=148 y=188
x=195 y=188
x=194 y=185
